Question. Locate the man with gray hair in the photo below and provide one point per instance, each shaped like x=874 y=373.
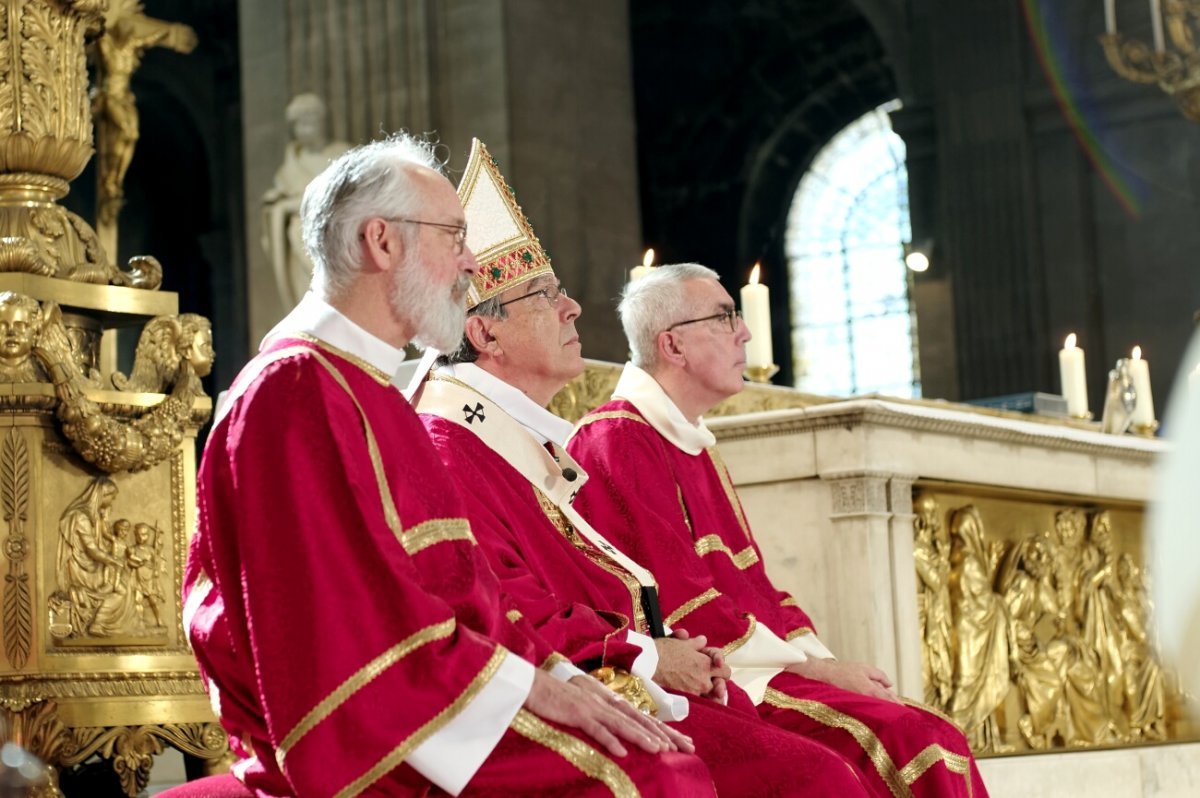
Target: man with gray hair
x=326 y=525
x=659 y=487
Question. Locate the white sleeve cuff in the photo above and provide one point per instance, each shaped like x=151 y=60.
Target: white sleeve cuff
x=808 y=645
x=451 y=755
x=670 y=707
x=647 y=662
x=565 y=670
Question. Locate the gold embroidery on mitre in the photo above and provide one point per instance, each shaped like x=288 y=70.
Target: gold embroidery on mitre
x=503 y=241
x=584 y=757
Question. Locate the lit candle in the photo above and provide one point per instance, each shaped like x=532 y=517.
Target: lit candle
x=1143 y=411
x=756 y=309
x=1156 y=21
x=638 y=272
x=1074 y=378
x=1110 y=16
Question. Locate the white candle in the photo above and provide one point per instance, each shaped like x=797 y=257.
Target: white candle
x=638 y=272
x=1110 y=16
x=1143 y=411
x=1073 y=374
x=756 y=309
x=1156 y=21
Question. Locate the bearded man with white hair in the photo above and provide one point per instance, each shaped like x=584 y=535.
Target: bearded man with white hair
x=660 y=488
x=350 y=634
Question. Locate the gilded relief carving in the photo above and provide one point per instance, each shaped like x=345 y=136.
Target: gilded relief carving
x=1036 y=639
x=14 y=497
x=109 y=570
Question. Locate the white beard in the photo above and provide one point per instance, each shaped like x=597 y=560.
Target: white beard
x=437 y=314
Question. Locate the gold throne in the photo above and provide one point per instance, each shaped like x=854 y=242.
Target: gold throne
x=97 y=467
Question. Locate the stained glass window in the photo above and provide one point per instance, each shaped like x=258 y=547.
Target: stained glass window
x=853 y=326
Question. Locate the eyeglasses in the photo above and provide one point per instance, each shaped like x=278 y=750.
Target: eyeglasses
x=550 y=293
x=460 y=230
x=731 y=318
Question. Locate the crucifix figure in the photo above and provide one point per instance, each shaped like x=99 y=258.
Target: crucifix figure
x=127 y=35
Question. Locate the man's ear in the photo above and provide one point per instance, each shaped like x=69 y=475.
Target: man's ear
x=382 y=245
x=478 y=330
x=669 y=348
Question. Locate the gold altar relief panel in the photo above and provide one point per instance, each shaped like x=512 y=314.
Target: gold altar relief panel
x=1037 y=630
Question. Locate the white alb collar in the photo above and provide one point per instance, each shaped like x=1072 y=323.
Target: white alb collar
x=315 y=317
x=541 y=423
x=643 y=391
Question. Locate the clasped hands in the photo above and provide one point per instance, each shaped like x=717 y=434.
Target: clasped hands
x=689 y=665
x=857 y=677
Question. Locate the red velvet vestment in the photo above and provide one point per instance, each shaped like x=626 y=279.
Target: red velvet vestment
x=570 y=591
x=340 y=610
x=678 y=515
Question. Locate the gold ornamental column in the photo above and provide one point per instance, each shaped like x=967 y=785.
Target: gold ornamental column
x=97 y=469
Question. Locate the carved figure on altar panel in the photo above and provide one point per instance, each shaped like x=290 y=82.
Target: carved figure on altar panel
x=931 y=552
x=304 y=157
x=171 y=350
x=20 y=323
x=1144 y=683
x=1039 y=666
x=1099 y=614
x=981 y=622
x=108 y=571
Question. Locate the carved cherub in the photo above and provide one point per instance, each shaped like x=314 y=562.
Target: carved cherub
x=172 y=349
x=114 y=444
x=20 y=323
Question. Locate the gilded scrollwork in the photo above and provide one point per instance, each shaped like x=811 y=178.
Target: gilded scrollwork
x=1051 y=643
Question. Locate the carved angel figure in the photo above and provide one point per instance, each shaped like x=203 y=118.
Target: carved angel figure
x=114 y=444
x=170 y=349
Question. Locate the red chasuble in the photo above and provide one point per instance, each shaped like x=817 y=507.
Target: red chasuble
x=584 y=605
x=678 y=515
x=340 y=610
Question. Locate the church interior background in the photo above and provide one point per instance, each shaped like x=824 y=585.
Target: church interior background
x=822 y=139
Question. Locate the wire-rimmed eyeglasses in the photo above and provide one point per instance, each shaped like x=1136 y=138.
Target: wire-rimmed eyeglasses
x=550 y=293
x=460 y=230
x=731 y=317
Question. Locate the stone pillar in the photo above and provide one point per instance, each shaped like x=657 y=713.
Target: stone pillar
x=871 y=515
x=547 y=85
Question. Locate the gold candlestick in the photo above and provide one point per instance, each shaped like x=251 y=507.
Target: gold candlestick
x=761 y=374
x=1146 y=430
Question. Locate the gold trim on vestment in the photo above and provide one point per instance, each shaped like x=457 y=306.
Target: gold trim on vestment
x=800 y=630
x=592 y=418
x=438 y=530
x=789 y=601
x=687 y=519
x=584 y=757
x=385 y=494
x=685 y=609
x=937 y=713
x=554 y=659
x=734 y=645
x=934 y=753
x=513 y=615
x=713 y=543
x=565 y=528
x=374 y=372
x=730 y=495
x=360 y=679
x=401 y=752
x=898 y=781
